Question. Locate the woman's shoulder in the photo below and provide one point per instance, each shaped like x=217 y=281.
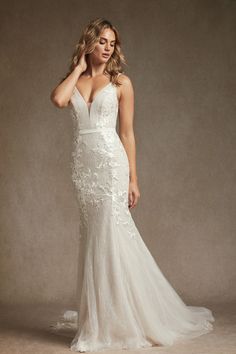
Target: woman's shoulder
x=126 y=87
x=124 y=79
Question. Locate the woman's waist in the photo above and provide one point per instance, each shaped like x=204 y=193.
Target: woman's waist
x=90 y=130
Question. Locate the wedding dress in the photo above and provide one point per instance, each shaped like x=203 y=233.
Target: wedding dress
x=124 y=300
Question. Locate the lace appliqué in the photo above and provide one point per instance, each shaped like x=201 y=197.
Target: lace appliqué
x=97 y=171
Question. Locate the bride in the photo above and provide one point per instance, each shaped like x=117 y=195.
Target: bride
x=124 y=300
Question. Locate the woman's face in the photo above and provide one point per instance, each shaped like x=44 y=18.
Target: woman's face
x=105 y=46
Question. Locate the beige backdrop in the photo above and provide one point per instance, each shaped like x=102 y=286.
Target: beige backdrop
x=181 y=60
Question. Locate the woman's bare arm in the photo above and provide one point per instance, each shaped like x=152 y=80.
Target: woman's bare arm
x=61 y=95
x=126 y=115
x=126 y=134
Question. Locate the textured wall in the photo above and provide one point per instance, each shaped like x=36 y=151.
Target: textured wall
x=181 y=60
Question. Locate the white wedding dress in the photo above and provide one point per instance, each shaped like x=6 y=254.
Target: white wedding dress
x=124 y=300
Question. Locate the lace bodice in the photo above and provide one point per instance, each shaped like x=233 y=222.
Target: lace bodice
x=102 y=112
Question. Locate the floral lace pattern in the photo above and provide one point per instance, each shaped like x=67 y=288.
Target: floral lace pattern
x=100 y=169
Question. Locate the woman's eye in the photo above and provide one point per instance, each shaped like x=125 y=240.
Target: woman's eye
x=112 y=45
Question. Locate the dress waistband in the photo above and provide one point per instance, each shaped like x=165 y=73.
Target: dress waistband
x=93 y=130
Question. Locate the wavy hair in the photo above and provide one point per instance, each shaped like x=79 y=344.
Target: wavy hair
x=88 y=40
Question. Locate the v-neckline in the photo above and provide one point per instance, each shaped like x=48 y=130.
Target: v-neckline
x=89 y=107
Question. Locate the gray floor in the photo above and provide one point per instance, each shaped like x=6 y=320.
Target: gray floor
x=24 y=329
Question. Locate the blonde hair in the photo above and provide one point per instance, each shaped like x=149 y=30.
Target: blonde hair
x=87 y=42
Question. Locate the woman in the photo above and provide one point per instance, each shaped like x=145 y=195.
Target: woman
x=124 y=300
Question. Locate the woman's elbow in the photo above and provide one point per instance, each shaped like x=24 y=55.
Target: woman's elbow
x=57 y=101
x=126 y=134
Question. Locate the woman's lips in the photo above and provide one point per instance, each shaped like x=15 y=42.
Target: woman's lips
x=105 y=55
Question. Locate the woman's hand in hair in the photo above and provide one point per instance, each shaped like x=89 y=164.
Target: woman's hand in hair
x=82 y=62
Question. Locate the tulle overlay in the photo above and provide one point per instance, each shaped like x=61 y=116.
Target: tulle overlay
x=124 y=300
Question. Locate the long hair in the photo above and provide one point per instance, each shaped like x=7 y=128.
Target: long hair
x=90 y=36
